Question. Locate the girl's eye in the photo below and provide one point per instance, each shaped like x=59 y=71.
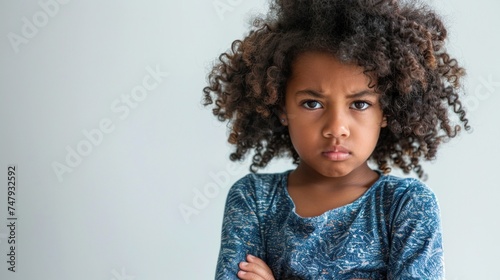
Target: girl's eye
x=311 y=104
x=360 y=105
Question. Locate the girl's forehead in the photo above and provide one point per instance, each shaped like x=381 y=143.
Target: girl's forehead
x=324 y=72
x=322 y=64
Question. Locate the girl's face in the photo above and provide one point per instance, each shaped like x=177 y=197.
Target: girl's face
x=334 y=118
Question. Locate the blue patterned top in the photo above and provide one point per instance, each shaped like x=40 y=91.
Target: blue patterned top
x=392 y=231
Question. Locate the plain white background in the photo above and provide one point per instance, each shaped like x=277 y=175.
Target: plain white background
x=112 y=212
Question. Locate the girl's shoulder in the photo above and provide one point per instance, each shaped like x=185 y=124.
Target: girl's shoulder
x=400 y=186
x=259 y=190
x=404 y=194
x=261 y=183
x=395 y=193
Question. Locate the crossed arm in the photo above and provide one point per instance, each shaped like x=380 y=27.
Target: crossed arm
x=254 y=269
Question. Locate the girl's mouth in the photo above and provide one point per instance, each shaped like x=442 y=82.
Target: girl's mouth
x=337 y=153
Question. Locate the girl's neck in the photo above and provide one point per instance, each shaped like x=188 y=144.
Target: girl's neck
x=313 y=194
x=305 y=176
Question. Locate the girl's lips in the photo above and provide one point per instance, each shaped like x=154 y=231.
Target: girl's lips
x=337 y=153
x=336 y=156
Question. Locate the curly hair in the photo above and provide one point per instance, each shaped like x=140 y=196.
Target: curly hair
x=399 y=44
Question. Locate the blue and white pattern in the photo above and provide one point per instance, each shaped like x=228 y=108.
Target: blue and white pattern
x=393 y=231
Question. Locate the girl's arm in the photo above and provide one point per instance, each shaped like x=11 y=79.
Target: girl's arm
x=416 y=246
x=241 y=229
x=255 y=269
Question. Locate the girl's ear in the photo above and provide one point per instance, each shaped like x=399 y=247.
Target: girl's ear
x=384 y=122
x=282 y=116
x=283 y=119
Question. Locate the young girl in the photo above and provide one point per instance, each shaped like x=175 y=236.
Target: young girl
x=334 y=84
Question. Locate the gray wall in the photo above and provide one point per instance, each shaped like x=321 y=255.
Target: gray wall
x=100 y=110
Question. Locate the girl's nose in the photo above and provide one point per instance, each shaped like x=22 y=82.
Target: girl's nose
x=336 y=126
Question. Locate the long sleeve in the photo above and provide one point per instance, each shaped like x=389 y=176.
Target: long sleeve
x=416 y=245
x=241 y=234
x=391 y=232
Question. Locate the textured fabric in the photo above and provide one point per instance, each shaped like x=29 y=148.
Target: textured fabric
x=392 y=231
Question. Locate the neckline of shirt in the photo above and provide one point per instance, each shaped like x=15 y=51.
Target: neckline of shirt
x=332 y=212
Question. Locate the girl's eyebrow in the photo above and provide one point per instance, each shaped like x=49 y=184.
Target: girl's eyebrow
x=350 y=96
x=362 y=94
x=311 y=93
